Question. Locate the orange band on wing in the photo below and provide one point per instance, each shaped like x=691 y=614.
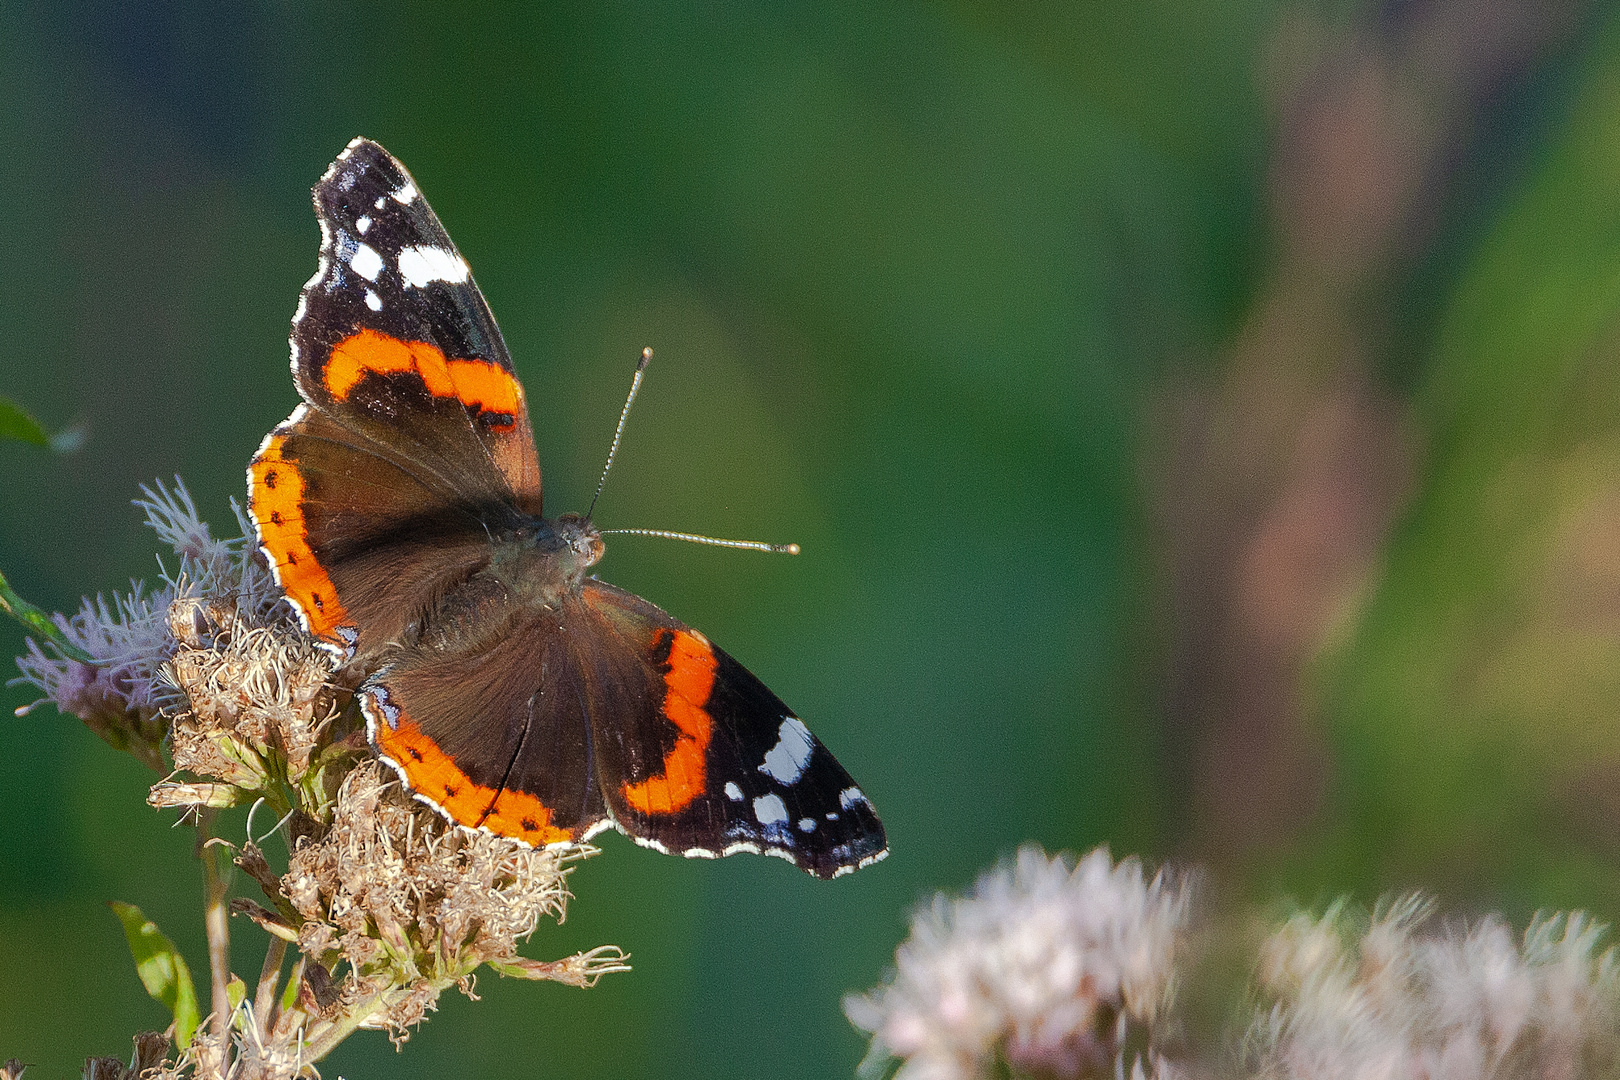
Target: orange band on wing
x=690 y=680
x=275 y=500
x=434 y=775
x=477 y=384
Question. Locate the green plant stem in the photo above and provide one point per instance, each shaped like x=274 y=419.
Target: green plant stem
x=264 y=1002
x=341 y=1027
x=39 y=622
x=216 y=920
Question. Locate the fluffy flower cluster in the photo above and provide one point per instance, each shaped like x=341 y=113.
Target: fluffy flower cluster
x=1378 y=999
x=1044 y=968
x=122 y=693
x=386 y=904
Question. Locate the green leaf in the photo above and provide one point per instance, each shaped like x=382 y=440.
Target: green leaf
x=289 y=994
x=235 y=992
x=16 y=424
x=39 y=622
x=162 y=969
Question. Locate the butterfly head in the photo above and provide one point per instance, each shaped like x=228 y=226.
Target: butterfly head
x=544 y=560
x=577 y=539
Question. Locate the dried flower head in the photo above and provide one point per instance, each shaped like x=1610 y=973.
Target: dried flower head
x=387 y=904
x=411 y=902
x=261 y=708
x=388 y=907
x=1353 y=997
x=1040 y=969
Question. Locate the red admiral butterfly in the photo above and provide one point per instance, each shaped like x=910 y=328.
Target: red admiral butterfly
x=399 y=507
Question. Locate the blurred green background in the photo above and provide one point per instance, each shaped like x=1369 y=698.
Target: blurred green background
x=1201 y=420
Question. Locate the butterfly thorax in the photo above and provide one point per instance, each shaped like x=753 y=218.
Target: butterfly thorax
x=565 y=546
x=537 y=566
x=544 y=560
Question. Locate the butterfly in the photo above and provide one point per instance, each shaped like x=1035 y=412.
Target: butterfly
x=399 y=507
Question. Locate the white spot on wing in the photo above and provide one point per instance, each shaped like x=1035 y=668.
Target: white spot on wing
x=366 y=262
x=807 y=824
x=381 y=201
x=373 y=301
x=850 y=797
x=770 y=810
x=362 y=224
x=733 y=792
x=424 y=263
x=786 y=760
x=405 y=193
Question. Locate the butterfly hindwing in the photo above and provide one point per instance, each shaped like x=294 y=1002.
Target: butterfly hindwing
x=711 y=762
x=609 y=711
x=493 y=738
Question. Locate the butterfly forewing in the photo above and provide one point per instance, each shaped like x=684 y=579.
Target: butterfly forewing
x=393 y=335
x=357 y=539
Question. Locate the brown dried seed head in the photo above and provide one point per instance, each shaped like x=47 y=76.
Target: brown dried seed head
x=169 y=794
x=217 y=754
x=151 y=1047
x=251 y=861
x=411 y=1009
x=103 y=1068
x=394 y=887
x=316 y=939
x=258 y=702
x=197 y=621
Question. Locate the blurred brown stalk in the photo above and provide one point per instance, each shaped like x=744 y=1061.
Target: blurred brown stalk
x=1290 y=462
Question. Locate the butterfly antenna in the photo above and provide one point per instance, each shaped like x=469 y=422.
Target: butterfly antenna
x=715 y=541
x=618 y=432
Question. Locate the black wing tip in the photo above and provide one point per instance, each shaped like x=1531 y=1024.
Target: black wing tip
x=850 y=858
x=865 y=844
x=364 y=149
x=360 y=157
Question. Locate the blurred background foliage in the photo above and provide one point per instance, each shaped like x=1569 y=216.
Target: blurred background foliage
x=1201 y=419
